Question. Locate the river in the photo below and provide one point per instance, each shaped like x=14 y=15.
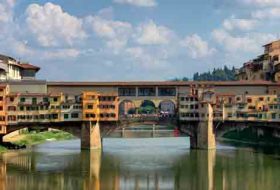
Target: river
x=134 y=164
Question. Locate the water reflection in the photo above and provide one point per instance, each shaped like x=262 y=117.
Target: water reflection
x=138 y=164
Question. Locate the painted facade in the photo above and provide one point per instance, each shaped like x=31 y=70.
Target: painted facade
x=265 y=66
x=11 y=69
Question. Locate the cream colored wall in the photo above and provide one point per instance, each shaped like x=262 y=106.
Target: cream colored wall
x=238 y=90
x=27 y=88
x=13 y=71
x=78 y=90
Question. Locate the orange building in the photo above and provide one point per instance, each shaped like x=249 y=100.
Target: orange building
x=108 y=107
x=100 y=107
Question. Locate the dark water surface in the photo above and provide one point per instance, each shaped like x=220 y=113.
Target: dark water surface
x=130 y=164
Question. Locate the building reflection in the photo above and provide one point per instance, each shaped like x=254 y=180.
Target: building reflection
x=96 y=170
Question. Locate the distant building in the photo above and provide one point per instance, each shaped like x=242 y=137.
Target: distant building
x=264 y=67
x=11 y=69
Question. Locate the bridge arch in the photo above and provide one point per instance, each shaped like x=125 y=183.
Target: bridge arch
x=167 y=107
x=147 y=107
x=127 y=107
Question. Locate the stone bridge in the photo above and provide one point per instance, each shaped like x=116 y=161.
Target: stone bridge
x=203 y=132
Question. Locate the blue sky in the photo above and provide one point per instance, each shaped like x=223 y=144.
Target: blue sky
x=105 y=40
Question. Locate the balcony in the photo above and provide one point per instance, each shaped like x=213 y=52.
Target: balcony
x=276 y=66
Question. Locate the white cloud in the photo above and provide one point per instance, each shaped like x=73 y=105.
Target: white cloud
x=52 y=26
x=6 y=10
x=115 y=33
x=239 y=24
x=145 y=58
x=197 y=48
x=250 y=42
x=151 y=34
x=139 y=3
x=60 y=53
x=270 y=13
x=261 y=3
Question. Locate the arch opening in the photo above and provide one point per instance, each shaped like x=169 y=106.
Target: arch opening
x=147 y=107
x=127 y=107
x=167 y=108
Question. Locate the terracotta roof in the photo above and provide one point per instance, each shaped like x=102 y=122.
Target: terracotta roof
x=271 y=42
x=28 y=66
x=165 y=83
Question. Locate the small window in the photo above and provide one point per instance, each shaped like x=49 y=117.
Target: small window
x=34 y=100
x=90 y=106
x=66 y=116
x=55 y=99
x=74 y=115
x=22 y=99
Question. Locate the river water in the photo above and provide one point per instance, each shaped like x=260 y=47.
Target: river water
x=132 y=164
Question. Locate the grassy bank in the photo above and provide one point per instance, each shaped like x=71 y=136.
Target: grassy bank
x=33 y=138
x=2 y=149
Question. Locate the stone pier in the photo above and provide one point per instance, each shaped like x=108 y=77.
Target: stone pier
x=90 y=136
x=92 y=161
x=203 y=136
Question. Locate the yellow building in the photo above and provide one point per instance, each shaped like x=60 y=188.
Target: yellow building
x=3 y=118
x=100 y=107
x=90 y=106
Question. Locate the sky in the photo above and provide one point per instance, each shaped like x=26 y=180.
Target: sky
x=121 y=40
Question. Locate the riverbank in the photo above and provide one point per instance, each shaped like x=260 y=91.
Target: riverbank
x=33 y=138
x=2 y=149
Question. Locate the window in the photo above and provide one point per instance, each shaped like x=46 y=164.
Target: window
x=167 y=91
x=45 y=99
x=90 y=115
x=65 y=107
x=55 y=116
x=34 y=100
x=147 y=91
x=127 y=91
x=12 y=118
x=21 y=108
x=55 y=99
x=1 y=98
x=89 y=106
x=249 y=100
x=12 y=99
x=11 y=108
x=74 y=115
x=273 y=115
x=261 y=98
x=66 y=116
x=22 y=99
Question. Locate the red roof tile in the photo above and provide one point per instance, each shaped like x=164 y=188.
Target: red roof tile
x=28 y=66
